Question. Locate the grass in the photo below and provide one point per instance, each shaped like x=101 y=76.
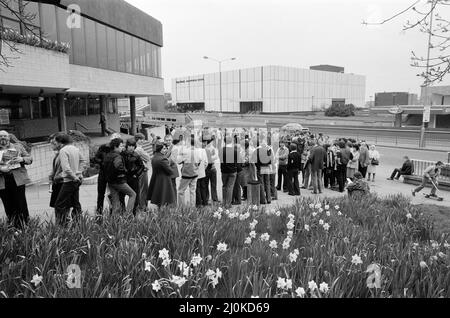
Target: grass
x=412 y=257
x=440 y=216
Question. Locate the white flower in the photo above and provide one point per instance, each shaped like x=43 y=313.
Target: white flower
x=300 y=292
x=244 y=216
x=321 y=222
x=311 y=206
x=163 y=254
x=409 y=216
x=218 y=273
x=255 y=208
x=423 y=264
x=336 y=207
x=208 y=258
x=326 y=226
x=328 y=213
x=314 y=214
x=220 y=210
x=281 y=283
x=37 y=280
x=156 y=286
x=278 y=213
x=310 y=260
x=339 y=213
x=290 y=226
x=434 y=244
x=446 y=245
x=320 y=210
x=148 y=266
x=231 y=216
x=312 y=285
x=179 y=281
x=434 y=258
x=248 y=241
x=217 y=215
x=318 y=206
x=222 y=247
x=166 y=262
x=288 y=283
x=210 y=273
x=265 y=237
x=254 y=296
x=214 y=276
x=252 y=234
x=293 y=257
x=290 y=234
x=296 y=251
x=324 y=287
x=307 y=227
x=415 y=245
x=273 y=244
x=196 y=260
x=441 y=255
x=291 y=217
x=356 y=259
x=327 y=207
x=286 y=243
x=253 y=224
x=187 y=271
x=346 y=240
x=374 y=279
x=144 y=255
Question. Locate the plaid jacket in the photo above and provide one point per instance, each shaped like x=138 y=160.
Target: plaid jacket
x=20 y=174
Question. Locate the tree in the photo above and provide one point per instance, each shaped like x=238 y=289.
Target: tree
x=436 y=65
x=8 y=37
x=341 y=110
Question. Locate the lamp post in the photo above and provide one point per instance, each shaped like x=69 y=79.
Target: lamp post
x=220 y=73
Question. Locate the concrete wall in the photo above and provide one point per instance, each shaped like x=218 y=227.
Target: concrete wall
x=43 y=155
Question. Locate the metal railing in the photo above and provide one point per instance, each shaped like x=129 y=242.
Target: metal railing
x=421 y=165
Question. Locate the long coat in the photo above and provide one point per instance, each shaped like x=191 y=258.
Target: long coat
x=160 y=190
x=318 y=158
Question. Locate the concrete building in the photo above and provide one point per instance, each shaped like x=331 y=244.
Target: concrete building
x=115 y=52
x=268 y=89
x=395 y=98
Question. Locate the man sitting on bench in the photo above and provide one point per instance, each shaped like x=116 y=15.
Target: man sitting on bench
x=406 y=170
x=431 y=174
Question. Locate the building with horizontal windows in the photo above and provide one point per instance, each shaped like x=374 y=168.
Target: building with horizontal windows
x=269 y=89
x=114 y=52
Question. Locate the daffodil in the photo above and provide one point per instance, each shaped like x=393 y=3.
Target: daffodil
x=327 y=207
x=409 y=216
x=248 y=241
x=163 y=254
x=320 y=210
x=441 y=255
x=423 y=264
x=356 y=260
x=346 y=240
x=222 y=247
x=255 y=208
x=252 y=234
x=336 y=207
x=291 y=216
x=156 y=286
x=434 y=244
x=37 y=279
x=296 y=251
x=321 y=222
x=318 y=206
x=312 y=285
x=217 y=215
x=220 y=210
x=185 y=269
x=253 y=224
x=148 y=266
x=290 y=234
x=328 y=213
x=314 y=214
x=166 y=262
x=339 y=213
x=323 y=287
x=196 y=260
x=273 y=244
x=374 y=279
x=288 y=283
x=144 y=255
x=290 y=226
x=281 y=283
x=306 y=227
x=278 y=213
x=311 y=206
x=179 y=281
x=326 y=226
x=265 y=237
x=293 y=257
x=300 y=292
x=286 y=243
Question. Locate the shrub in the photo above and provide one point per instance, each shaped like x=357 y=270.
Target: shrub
x=413 y=260
x=341 y=111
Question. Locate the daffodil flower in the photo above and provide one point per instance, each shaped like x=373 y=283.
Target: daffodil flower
x=300 y=292
x=409 y=216
x=156 y=286
x=265 y=237
x=356 y=260
x=323 y=287
x=248 y=241
x=148 y=266
x=163 y=254
x=307 y=227
x=312 y=285
x=37 y=280
x=222 y=247
x=196 y=260
x=321 y=222
x=252 y=234
x=273 y=244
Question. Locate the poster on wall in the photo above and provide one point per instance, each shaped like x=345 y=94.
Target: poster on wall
x=4 y=117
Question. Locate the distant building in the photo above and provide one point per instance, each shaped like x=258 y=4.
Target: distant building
x=395 y=98
x=268 y=89
x=327 y=68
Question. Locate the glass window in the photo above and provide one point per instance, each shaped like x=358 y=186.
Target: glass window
x=94 y=106
x=112 y=49
x=78 y=43
x=128 y=54
x=148 y=59
x=36 y=107
x=154 y=61
x=12 y=24
x=158 y=50
x=121 y=62
x=45 y=108
x=31 y=10
x=112 y=106
x=64 y=33
x=48 y=22
x=136 y=67
x=14 y=5
x=102 y=51
x=91 y=43
x=142 y=53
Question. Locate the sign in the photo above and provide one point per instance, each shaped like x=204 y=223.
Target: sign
x=4 y=117
x=426 y=114
x=395 y=110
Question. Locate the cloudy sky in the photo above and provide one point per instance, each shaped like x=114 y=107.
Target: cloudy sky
x=297 y=33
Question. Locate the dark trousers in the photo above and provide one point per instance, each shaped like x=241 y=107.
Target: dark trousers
x=68 y=197
x=211 y=178
x=201 y=193
x=228 y=180
x=15 y=203
x=101 y=190
x=266 y=196
x=341 y=176
x=293 y=184
x=316 y=176
x=329 y=177
x=282 y=175
x=237 y=190
x=273 y=188
x=174 y=185
x=363 y=171
x=134 y=184
x=118 y=189
x=397 y=174
x=307 y=176
x=143 y=191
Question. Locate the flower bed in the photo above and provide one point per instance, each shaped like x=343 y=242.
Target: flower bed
x=33 y=40
x=333 y=248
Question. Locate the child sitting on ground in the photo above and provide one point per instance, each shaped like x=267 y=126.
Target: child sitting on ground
x=358 y=187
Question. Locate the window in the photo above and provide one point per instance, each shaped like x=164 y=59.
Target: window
x=78 y=42
x=64 y=33
x=121 y=61
x=12 y=24
x=148 y=59
x=112 y=49
x=112 y=106
x=136 y=67
x=128 y=54
x=102 y=51
x=94 y=106
x=48 y=22
x=45 y=108
x=31 y=9
x=91 y=43
x=158 y=50
x=142 y=53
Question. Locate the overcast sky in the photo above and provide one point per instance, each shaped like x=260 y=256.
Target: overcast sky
x=297 y=33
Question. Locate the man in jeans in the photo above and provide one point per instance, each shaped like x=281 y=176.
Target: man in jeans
x=282 y=155
x=116 y=176
x=71 y=165
x=143 y=178
x=228 y=167
x=190 y=160
x=211 y=173
x=317 y=158
x=430 y=174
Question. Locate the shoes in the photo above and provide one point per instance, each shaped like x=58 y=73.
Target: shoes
x=303 y=187
x=390 y=179
x=278 y=189
x=397 y=178
x=314 y=192
x=291 y=194
x=414 y=193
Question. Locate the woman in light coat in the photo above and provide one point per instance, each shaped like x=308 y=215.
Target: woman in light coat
x=353 y=165
x=374 y=156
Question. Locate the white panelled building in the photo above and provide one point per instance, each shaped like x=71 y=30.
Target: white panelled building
x=269 y=89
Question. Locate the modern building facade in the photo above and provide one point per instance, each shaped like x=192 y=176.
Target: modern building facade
x=395 y=98
x=268 y=89
x=115 y=52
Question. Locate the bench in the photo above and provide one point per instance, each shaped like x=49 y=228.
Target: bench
x=419 y=168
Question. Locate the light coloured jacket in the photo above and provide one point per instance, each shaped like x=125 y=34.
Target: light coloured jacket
x=354 y=164
x=20 y=174
x=72 y=163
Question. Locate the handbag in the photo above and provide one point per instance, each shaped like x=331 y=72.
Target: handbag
x=375 y=162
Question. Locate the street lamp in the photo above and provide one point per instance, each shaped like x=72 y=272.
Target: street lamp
x=220 y=72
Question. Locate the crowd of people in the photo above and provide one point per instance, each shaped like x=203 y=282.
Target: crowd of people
x=188 y=161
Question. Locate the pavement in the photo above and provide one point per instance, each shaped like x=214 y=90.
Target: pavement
x=38 y=197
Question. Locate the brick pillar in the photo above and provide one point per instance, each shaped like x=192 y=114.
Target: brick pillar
x=61 y=112
x=133 y=115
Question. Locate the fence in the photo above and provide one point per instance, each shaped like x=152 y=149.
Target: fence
x=421 y=165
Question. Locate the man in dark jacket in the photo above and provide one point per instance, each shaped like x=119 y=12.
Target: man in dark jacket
x=342 y=158
x=293 y=167
x=116 y=176
x=99 y=161
x=228 y=167
x=317 y=158
x=406 y=170
x=135 y=169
